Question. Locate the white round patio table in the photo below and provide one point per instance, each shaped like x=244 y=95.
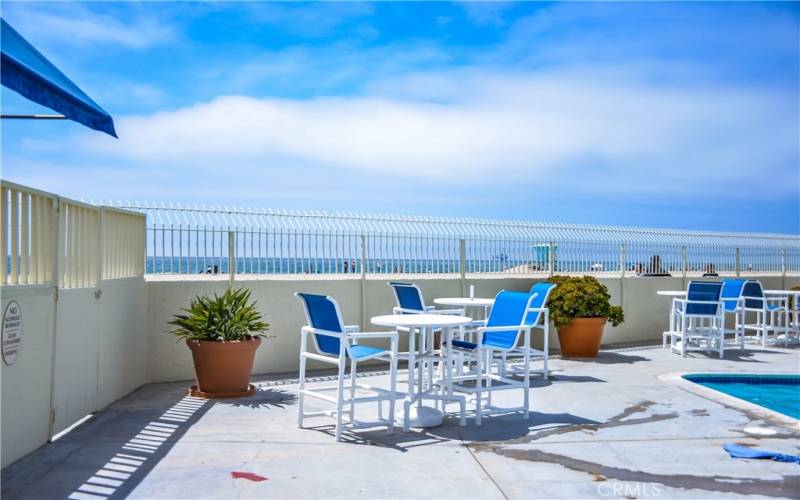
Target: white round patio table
x=419 y=415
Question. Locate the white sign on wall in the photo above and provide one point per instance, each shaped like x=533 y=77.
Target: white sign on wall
x=12 y=332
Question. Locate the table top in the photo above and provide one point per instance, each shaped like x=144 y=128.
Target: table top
x=672 y=293
x=464 y=301
x=421 y=320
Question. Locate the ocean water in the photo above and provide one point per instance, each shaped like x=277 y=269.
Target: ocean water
x=264 y=265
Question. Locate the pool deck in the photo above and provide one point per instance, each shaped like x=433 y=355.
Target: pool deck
x=613 y=427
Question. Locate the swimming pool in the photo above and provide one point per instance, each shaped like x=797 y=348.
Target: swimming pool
x=777 y=392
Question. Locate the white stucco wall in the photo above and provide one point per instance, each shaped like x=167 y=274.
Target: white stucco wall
x=100 y=355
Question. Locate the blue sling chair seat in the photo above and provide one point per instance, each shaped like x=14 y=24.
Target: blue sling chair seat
x=335 y=343
x=506 y=330
x=767 y=312
x=700 y=319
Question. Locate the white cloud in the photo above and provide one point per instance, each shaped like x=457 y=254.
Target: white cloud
x=477 y=126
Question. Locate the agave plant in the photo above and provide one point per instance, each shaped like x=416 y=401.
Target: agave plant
x=228 y=317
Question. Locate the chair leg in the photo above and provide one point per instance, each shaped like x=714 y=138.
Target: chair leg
x=353 y=364
x=478 y=386
x=489 y=356
x=546 y=349
x=406 y=415
x=527 y=383
x=340 y=399
x=392 y=384
x=740 y=331
x=300 y=395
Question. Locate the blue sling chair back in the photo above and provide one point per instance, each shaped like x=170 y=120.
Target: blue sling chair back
x=409 y=300
x=538 y=317
x=506 y=330
x=699 y=319
x=733 y=301
x=335 y=344
x=770 y=313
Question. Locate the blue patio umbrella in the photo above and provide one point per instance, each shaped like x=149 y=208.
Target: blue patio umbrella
x=25 y=70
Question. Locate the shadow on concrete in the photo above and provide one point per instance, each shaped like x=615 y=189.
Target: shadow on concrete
x=378 y=436
x=107 y=456
x=573 y=378
x=498 y=427
x=504 y=427
x=744 y=356
x=611 y=358
x=495 y=428
x=263 y=398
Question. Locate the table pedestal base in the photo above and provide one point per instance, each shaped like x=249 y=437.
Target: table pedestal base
x=425 y=416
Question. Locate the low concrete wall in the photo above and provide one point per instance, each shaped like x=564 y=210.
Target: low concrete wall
x=100 y=352
x=646 y=312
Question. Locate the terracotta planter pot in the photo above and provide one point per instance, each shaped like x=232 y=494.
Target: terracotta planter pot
x=223 y=368
x=581 y=337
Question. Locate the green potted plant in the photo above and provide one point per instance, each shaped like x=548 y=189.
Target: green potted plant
x=580 y=307
x=223 y=333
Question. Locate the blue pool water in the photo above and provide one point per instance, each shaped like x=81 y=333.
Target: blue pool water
x=777 y=392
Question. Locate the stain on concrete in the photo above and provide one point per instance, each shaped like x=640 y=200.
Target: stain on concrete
x=699 y=412
x=788 y=486
x=589 y=428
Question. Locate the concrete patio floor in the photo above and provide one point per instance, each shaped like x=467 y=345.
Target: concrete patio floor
x=607 y=428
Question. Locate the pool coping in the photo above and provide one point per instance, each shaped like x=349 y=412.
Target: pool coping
x=771 y=416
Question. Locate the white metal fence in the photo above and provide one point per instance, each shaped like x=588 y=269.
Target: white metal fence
x=47 y=239
x=193 y=239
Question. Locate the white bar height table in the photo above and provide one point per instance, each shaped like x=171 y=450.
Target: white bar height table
x=465 y=302
x=793 y=313
x=675 y=294
x=420 y=385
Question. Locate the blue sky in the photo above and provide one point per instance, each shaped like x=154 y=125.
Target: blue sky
x=658 y=114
